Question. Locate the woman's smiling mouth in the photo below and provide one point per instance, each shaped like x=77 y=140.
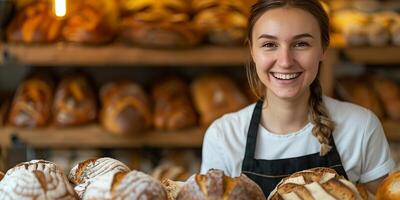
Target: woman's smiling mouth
x=285 y=76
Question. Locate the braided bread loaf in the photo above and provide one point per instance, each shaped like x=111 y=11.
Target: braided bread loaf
x=317 y=183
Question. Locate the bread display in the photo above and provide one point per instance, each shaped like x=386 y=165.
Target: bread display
x=214 y=96
x=125 y=108
x=37 y=179
x=91 y=21
x=34 y=23
x=125 y=185
x=161 y=23
x=351 y=24
x=389 y=94
x=358 y=91
x=32 y=102
x=74 y=101
x=173 y=108
x=215 y=185
x=389 y=188
x=317 y=183
x=223 y=21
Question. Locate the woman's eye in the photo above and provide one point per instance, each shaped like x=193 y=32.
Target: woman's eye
x=269 y=45
x=301 y=44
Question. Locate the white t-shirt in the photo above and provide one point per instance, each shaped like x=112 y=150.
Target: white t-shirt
x=358 y=135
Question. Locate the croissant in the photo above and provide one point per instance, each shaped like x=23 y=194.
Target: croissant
x=172 y=105
x=35 y=23
x=74 y=101
x=161 y=23
x=32 y=102
x=125 y=109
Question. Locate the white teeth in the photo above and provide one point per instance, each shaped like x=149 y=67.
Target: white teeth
x=285 y=76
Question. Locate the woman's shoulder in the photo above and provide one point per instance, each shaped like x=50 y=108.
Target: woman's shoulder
x=241 y=116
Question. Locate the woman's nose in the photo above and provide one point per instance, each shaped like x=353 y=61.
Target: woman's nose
x=285 y=57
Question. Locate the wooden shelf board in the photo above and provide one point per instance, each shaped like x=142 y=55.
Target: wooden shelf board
x=374 y=55
x=93 y=136
x=121 y=55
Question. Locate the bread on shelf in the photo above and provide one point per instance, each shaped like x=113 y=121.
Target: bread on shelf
x=389 y=94
x=74 y=101
x=215 y=95
x=125 y=108
x=161 y=23
x=31 y=106
x=173 y=109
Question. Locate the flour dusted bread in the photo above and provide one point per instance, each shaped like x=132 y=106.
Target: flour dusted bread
x=215 y=185
x=161 y=23
x=173 y=108
x=389 y=188
x=32 y=102
x=317 y=183
x=223 y=22
x=125 y=108
x=74 y=101
x=125 y=185
x=34 y=23
x=215 y=95
x=36 y=179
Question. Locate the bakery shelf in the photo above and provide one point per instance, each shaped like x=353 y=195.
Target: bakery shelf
x=93 y=136
x=373 y=55
x=117 y=54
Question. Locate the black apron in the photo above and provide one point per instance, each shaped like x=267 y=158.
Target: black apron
x=268 y=173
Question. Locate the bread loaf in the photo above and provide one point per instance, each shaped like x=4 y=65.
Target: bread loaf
x=91 y=21
x=389 y=94
x=125 y=108
x=173 y=108
x=315 y=184
x=214 y=96
x=36 y=179
x=170 y=171
x=215 y=185
x=74 y=101
x=352 y=25
x=32 y=102
x=35 y=23
x=223 y=22
x=161 y=23
x=125 y=185
x=389 y=188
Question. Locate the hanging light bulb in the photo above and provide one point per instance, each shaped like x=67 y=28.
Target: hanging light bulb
x=60 y=8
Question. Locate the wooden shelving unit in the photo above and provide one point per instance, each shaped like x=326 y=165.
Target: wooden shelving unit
x=93 y=136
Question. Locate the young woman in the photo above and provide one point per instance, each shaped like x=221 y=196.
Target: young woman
x=294 y=127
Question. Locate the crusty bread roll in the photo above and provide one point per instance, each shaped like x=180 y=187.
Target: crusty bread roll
x=36 y=179
x=161 y=23
x=378 y=34
x=173 y=108
x=74 y=101
x=352 y=25
x=125 y=108
x=223 y=22
x=170 y=171
x=91 y=21
x=389 y=188
x=359 y=92
x=34 y=23
x=215 y=185
x=317 y=183
x=125 y=186
x=389 y=94
x=86 y=171
x=32 y=102
x=214 y=96
x=172 y=188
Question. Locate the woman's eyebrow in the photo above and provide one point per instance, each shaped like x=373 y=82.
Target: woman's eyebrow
x=266 y=36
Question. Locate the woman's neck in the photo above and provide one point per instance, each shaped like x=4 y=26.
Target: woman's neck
x=282 y=116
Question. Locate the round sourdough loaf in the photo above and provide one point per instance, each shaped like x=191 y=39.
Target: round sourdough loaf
x=215 y=185
x=390 y=188
x=317 y=183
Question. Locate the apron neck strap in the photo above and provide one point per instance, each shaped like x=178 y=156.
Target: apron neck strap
x=253 y=130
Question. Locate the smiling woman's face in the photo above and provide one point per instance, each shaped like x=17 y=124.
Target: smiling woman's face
x=286 y=49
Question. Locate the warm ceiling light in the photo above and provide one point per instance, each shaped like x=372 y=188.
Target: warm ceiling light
x=60 y=7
